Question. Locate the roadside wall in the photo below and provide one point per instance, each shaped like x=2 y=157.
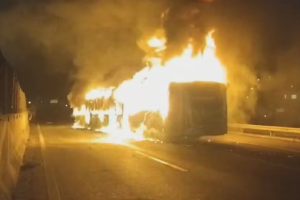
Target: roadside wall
x=14 y=131
x=12 y=97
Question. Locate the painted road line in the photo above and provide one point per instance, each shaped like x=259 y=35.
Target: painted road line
x=52 y=188
x=162 y=162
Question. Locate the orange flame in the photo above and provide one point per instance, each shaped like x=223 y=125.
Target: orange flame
x=148 y=89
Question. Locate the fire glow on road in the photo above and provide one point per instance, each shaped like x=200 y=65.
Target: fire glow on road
x=138 y=151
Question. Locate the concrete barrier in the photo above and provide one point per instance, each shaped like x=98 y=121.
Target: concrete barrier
x=14 y=131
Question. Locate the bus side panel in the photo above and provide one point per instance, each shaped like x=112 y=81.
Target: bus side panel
x=197 y=113
x=174 y=124
x=207 y=116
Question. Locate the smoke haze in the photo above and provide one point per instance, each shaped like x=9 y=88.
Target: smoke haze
x=96 y=42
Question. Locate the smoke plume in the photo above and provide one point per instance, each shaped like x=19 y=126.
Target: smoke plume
x=95 y=41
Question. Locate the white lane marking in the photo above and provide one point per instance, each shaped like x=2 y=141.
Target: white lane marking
x=162 y=162
x=52 y=187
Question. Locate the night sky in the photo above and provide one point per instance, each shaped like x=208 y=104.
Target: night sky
x=59 y=46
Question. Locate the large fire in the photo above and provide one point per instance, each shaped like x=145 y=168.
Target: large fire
x=147 y=91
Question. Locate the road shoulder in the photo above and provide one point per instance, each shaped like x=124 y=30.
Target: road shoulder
x=266 y=142
x=31 y=183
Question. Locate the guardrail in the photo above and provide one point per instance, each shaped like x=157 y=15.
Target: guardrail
x=270 y=131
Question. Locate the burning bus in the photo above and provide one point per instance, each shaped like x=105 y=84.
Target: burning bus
x=184 y=97
x=99 y=109
x=195 y=109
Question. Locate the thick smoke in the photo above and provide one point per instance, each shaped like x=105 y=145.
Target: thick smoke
x=192 y=22
x=95 y=42
x=255 y=40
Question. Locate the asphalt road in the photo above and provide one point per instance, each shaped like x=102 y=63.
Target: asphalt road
x=66 y=164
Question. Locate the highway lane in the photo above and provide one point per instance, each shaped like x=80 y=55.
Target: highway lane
x=81 y=165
